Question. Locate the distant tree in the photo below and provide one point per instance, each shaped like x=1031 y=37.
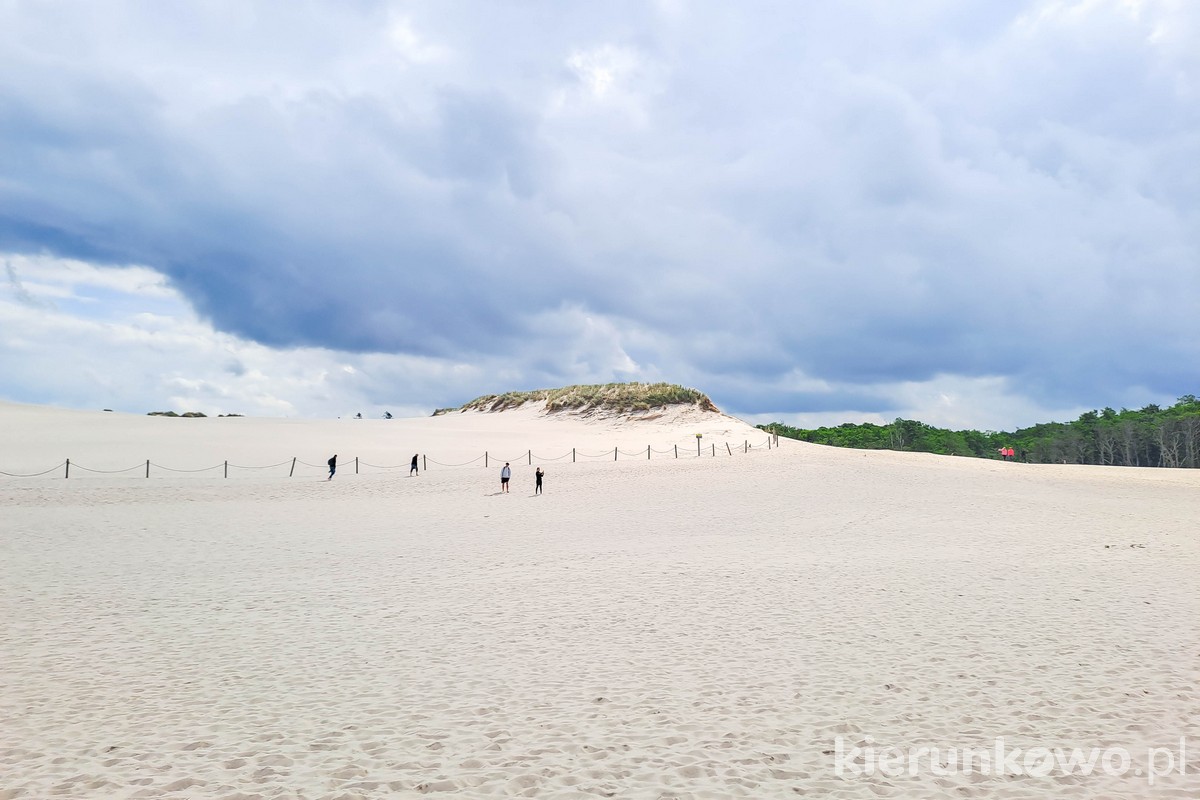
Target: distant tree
x=1106 y=444
x=1129 y=442
x=1191 y=440
x=1149 y=437
x=1170 y=443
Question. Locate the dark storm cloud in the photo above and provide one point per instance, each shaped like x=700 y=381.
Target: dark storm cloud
x=327 y=248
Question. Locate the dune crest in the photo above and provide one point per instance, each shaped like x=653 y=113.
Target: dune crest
x=623 y=400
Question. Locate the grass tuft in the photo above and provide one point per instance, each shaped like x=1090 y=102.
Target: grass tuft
x=610 y=397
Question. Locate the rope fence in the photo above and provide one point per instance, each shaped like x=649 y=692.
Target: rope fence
x=109 y=471
x=529 y=457
x=55 y=468
x=464 y=464
x=202 y=469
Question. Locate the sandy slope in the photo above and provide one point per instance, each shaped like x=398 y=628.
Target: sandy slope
x=700 y=627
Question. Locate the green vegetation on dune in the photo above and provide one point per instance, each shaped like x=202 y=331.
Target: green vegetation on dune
x=1149 y=437
x=614 y=397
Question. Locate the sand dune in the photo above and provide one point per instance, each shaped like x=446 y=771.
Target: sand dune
x=704 y=627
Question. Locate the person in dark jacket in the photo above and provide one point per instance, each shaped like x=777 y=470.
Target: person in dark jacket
x=332 y=467
x=413 y=469
x=537 y=486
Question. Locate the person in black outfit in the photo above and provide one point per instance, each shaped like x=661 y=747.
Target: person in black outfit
x=537 y=488
x=413 y=469
x=332 y=467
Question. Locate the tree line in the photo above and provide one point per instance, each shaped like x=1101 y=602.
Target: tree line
x=1148 y=437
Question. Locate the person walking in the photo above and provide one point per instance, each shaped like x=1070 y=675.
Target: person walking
x=505 y=474
x=537 y=487
x=413 y=469
x=332 y=467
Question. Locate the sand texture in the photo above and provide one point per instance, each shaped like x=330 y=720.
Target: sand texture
x=665 y=628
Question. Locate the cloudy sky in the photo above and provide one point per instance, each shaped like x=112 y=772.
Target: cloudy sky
x=978 y=213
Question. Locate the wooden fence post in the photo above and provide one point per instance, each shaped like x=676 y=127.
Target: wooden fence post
x=714 y=449
x=530 y=454
x=572 y=455
x=424 y=463
x=677 y=451
x=68 y=469
x=485 y=459
x=226 y=469
x=293 y=472
x=147 y=468
x=614 y=454
x=356 y=465
x=647 y=452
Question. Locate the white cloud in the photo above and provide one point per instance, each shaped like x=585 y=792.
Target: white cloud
x=579 y=343
x=412 y=45
x=117 y=356
x=610 y=80
x=62 y=278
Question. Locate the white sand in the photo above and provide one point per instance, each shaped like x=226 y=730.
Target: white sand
x=693 y=627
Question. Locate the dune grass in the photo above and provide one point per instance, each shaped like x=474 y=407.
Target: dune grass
x=611 y=397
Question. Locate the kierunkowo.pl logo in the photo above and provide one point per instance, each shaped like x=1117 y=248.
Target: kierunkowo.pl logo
x=851 y=761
